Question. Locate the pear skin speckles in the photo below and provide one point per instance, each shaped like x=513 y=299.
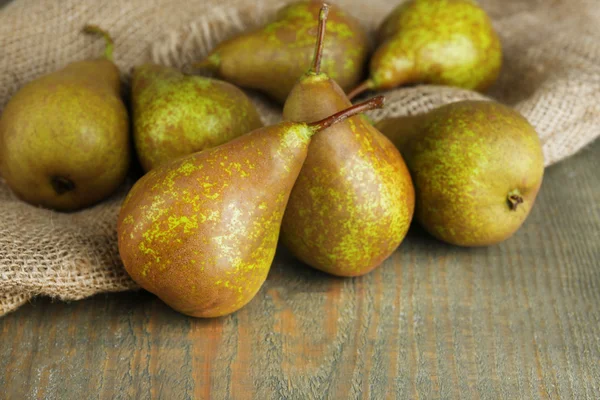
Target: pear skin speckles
x=449 y=42
x=70 y=125
x=466 y=159
x=273 y=58
x=176 y=115
x=201 y=231
x=353 y=201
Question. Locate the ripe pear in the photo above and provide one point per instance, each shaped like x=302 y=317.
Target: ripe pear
x=201 y=231
x=477 y=167
x=272 y=58
x=176 y=114
x=353 y=201
x=446 y=42
x=64 y=136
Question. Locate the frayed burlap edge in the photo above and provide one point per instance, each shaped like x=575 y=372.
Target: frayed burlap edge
x=550 y=75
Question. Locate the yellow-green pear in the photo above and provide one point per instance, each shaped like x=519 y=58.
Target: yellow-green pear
x=444 y=42
x=175 y=114
x=477 y=167
x=64 y=137
x=272 y=58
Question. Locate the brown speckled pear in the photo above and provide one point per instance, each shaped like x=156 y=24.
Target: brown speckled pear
x=353 y=201
x=176 y=114
x=274 y=57
x=477 y=167
x=445 y=42
x=200 y=232
x=64 y=140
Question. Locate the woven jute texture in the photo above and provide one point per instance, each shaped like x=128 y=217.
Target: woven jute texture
x=551 y=74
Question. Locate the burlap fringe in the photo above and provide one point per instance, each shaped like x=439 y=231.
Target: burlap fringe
x=551 y=74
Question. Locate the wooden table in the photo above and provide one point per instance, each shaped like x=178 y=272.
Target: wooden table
x=520 y=320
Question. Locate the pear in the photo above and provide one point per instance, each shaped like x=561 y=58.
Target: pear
x=64 y=136
x=353 y=201
x=201 y=231
x=176 y=114
x=446 y=42
x=272 y=58
x=477 y=167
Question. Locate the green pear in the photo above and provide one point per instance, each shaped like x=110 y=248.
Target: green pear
x=64 y=136
x=201 y=231
x=477 y=167
x=176 y=115
x=445 y=42
x=274 y=57
x=353 y=202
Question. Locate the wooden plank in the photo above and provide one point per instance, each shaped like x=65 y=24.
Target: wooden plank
x=517 y=320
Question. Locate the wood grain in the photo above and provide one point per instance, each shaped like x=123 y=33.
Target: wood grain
x=520 y=320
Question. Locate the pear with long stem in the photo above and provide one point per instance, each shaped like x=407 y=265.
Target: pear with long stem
x=353 y=201
x=201 y=232
x=272 y=58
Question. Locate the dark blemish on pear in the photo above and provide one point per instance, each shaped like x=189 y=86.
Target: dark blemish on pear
x=514 y=199
x=62 y=185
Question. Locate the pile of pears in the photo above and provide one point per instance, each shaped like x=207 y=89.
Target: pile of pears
x=201 y=227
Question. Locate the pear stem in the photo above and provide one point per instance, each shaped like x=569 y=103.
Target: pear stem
x=96 y=30
x=366 y=85
x=211 y=63
x=371 y=104
x=316 y=66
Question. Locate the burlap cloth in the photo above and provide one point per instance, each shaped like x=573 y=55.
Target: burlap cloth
x=551 y=74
